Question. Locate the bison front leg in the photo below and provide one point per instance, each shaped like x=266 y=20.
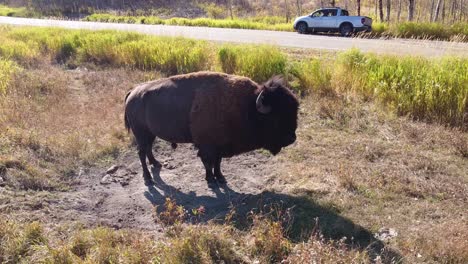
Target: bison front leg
x=217 y=171
x=208 y=157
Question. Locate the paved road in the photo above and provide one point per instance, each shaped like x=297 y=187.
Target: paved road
x=285 y=39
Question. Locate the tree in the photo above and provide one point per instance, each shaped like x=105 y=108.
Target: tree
x=410 y=10
x=436 y=13
x=399 y=10
x=286 y=9
x=229 y=6
x=388 y=10
x=358 y=7
x=432 y=10
x=299 y=7
x=381 y=17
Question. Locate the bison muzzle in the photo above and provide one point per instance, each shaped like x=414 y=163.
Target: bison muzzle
x=222 y=115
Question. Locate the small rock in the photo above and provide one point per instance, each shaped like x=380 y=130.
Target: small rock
x=107 y=179
x=124 y=183
x=385 y=234
x=2 y=181
x=112 y=169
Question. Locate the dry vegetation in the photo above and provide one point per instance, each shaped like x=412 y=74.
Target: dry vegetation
x=357 y=167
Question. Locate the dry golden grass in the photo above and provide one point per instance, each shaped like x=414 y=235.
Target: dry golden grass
x=353 y=160
x=384 y=172
x=54 y=121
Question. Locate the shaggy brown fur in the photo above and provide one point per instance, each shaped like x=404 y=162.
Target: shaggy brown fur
x=217 y=112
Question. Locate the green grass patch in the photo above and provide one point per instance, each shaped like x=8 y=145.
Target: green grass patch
x=257 y=62
x=7 y=69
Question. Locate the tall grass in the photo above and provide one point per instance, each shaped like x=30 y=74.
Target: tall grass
x=418 y=30
x=427 y=89
x=257 y=62
x=7 y=69
x=260 y=23
x=422 y=30
x=168 y=55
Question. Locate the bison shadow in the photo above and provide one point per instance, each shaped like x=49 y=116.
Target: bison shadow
x=306 y=216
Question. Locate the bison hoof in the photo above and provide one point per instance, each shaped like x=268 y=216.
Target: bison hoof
x=220 y=179
x=155 y=163
x=148 y=181
x=211 y=180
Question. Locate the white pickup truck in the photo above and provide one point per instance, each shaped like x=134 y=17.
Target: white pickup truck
x=332 y=20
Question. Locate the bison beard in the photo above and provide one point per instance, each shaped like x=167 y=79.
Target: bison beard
x=222 y=115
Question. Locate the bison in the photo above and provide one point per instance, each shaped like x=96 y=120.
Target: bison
x=222 y=115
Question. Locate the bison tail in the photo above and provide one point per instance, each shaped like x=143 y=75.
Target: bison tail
x=127 y=124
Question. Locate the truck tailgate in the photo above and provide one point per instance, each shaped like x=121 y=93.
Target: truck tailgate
x=367 y=21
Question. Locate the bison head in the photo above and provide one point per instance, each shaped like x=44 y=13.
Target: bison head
x=276 y=108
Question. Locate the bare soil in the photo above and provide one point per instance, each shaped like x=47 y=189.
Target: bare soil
x=117 y=196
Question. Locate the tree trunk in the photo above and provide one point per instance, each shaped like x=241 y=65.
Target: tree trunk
x=388 y=10
x=452 y=10
x=436 y=13
x=461 y=15
x=399 y=10
x=375 y=5
x=332 y=3
x=359 y=7
x=299 y=7
x=410 y=10
x=286 y=9
x=432 y=11
x=229 y=6
x=443 y=10
x=381 y=17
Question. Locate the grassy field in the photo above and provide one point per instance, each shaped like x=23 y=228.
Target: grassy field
x=361 y=162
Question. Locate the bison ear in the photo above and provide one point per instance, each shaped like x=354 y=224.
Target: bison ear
x=274 y=82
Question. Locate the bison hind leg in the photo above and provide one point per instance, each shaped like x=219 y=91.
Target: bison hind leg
x=217 y=171
x=146 y=174
x=145 y=141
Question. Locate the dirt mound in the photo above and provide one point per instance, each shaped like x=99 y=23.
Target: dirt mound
x=117 y=196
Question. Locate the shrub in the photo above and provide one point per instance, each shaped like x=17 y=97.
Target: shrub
x=213 y=10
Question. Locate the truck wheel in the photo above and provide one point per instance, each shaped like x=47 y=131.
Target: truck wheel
x=302 y=27
x=346 y=30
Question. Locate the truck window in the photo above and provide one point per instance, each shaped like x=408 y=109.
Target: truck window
x=332 y=12
x=318 y=14
x=344 y=12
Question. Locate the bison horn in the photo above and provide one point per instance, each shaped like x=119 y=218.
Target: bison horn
x=264 y=109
